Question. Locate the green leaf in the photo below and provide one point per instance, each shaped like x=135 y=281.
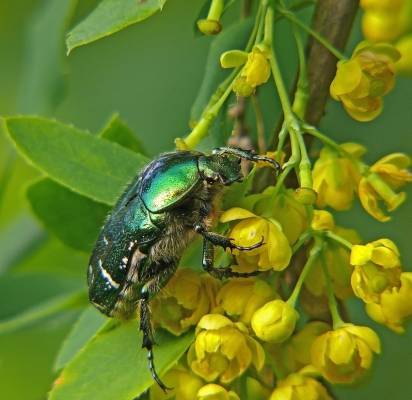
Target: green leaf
x=109 y=17
x=27 y=356
x=44 y=68
x=234 y=37
x=88 y=324
x=85 y=164
x=43 y=310
x=118 y=132
x=74 y=219
x=114 y=360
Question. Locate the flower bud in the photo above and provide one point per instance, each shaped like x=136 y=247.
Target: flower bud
x=322 y=220
x=209 y=26
x=233 y=58
x=275 y=321
x=345 y=354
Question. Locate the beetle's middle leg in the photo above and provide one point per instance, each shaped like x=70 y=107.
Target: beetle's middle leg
x=160 y=277
x=223 y=241
x=219 y=272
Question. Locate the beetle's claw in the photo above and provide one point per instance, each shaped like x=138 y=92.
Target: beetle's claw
x=154 y=373
x=245 y=248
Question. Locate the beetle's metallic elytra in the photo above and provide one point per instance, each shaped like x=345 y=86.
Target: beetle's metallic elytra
x=141 y=243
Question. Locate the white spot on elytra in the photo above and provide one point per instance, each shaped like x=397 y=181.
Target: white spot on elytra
x=107 y=276
x=106 y=242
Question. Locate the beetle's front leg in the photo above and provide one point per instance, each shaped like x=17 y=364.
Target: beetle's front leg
x=220 y=273
x=247 y=155
x=147 y=292
x=223 y=241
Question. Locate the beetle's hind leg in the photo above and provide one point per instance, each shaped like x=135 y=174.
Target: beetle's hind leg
x=219 y=272
x=160 y=278
x=223 y=241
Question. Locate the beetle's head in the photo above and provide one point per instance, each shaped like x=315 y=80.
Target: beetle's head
x=222 y=168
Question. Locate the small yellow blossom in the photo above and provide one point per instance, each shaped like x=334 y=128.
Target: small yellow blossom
x=336 y=177
x=275 y=321
x=395 y=305
x=255 y=389
x=346 y=353
x=299 y=387
x=337 y=261
x=255 y=72
x=275 y=253
x=385 y=176
x=322 y=220
x=184 y=384
x=285 y=209
x=212 y=391
x=301 y=342
x=361 y=81
x=241 y=297
x=382 y=252
x=223 y=350
x=185 y=299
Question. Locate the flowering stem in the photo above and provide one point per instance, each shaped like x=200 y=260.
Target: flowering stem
x=260 y=126
x=339 y=239
x=333 y=304
x=202 y=127
x=322 y=137
x=303 y=238
x=313 y=255
x=290 y=16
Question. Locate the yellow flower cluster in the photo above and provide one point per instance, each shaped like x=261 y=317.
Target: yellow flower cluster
x=361 y=82
x=390 y=21
x=378 y=280
x=339 y=175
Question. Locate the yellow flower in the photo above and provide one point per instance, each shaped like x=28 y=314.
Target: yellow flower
x=255 y=72
x=395 y=305
x=241 y=297
x=285 y=209
x=361 y=81
x=300 y=387
x=275 y=321
x=337 y=262
x=223 y=350
x=322 y=220
x=212 y=391
x=184 y=384
x=336 y=177
x=185 y=299
x=275 y=253
x=385 y=176
x=301 y=342
x=382 y=252
x=345 y=354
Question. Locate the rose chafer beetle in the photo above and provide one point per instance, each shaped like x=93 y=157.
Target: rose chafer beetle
x=141 y=243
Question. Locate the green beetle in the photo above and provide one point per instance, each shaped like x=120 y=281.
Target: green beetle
x=141 y=243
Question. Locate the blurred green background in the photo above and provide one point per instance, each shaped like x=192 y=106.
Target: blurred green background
x=150 y=73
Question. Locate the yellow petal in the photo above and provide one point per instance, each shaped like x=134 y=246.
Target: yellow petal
x=341 y=347
x=236 y=213
x=369 y=200
x=367 y=335
x=214 y=321
x=348 y=77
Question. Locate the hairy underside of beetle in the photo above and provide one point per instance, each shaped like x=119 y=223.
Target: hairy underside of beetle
x=156 y=266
